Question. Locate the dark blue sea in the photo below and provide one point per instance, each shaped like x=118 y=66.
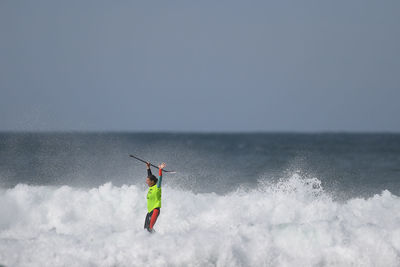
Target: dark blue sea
x=256 y=199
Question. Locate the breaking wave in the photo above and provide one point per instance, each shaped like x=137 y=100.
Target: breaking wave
x=287 y=223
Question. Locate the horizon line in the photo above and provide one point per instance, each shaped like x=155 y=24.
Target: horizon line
x=205 y=132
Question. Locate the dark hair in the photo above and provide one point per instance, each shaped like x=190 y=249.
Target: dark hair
x=153 y=178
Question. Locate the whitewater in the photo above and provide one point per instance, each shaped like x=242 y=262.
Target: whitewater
x=291 y=222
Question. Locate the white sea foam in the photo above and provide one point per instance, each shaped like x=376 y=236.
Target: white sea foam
x=290 y=223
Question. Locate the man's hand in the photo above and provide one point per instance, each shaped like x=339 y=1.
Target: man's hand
x=148 y=165
x=162 y=166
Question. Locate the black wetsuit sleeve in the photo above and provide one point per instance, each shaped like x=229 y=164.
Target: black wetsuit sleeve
x=149 y=172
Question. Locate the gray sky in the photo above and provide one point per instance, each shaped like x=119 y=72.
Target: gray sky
x=200 y=65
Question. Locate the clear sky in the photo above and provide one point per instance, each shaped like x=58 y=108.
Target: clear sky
x=200 y=65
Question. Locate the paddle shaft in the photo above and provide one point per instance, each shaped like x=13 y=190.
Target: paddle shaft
x=139 y=159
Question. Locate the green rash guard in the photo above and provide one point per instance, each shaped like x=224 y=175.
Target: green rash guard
x=154 y=193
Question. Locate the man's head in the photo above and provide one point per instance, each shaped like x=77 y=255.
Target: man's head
x=151 y=180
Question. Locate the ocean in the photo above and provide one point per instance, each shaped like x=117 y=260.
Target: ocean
x=251 y=199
